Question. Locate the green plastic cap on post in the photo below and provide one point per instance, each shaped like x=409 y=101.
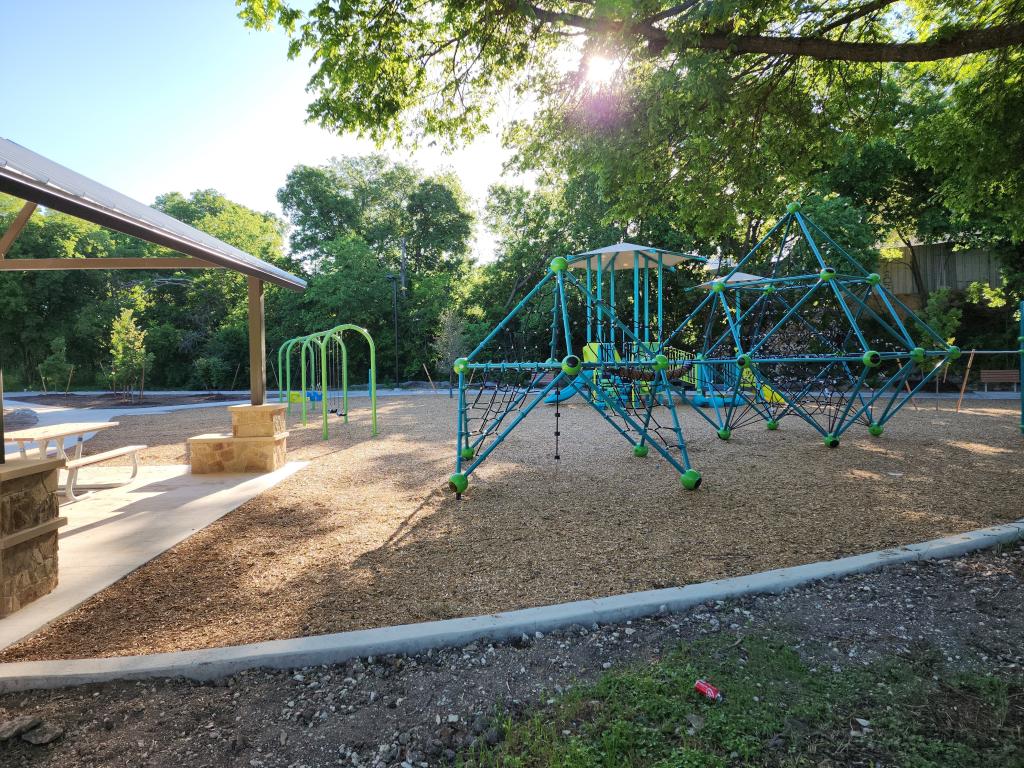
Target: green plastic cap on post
x=831 y=441
x=873 y=279
x=640 y=451
x=875 y=429
x=571 y=365
x=871 y=359
x=772 y=424
x=660 y=362
x=724 y=433
x=559 y=264
x=744 y=361
x=793 y=207
x=917 y=354
x=690 y=479
x=953 y=352
x=826 y=274
x=461 y=365
x=458 y=483
x=467 y=453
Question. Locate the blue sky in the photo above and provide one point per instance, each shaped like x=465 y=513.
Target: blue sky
x=149 y=96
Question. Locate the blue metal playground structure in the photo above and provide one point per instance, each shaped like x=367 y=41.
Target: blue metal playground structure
x=795 y=328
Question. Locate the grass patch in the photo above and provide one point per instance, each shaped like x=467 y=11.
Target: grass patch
x=777 y=711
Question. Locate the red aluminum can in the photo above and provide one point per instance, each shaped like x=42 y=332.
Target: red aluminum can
x=707 y=690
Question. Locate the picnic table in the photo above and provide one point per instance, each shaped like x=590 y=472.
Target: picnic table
x=56 y=433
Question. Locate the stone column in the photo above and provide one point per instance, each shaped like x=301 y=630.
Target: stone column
x=258 y=442
x=29 y=519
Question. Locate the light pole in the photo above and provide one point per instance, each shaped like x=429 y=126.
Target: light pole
x=393 y=279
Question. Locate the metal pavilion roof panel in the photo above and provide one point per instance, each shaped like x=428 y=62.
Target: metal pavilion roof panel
x=30 y=176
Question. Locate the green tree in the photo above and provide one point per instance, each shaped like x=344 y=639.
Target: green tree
x=441 y=65
x=350 y=219
x=128 y=357
x=942 y=314
x=55 y=370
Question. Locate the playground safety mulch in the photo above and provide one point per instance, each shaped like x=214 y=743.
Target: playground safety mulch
x=367 y=536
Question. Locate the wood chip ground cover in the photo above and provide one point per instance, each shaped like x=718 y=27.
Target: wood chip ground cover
x=367 y=535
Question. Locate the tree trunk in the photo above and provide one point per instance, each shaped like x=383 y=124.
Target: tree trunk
x=915 y=270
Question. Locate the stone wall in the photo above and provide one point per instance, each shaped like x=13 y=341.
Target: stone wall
x=29 y=519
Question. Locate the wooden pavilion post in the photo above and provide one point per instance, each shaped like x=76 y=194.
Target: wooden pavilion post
x=6 y=241
x=257 y=343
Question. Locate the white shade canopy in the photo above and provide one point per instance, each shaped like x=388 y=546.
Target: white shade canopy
x=626 y=255
x=32 y=177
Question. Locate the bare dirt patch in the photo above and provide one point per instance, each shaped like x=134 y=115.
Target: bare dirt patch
x=367 y=536
x=111 y=400
x=20 y=418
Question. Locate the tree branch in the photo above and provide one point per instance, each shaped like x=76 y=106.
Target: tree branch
x=959 y=43
x=952 y=45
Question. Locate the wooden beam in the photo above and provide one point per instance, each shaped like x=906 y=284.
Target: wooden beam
x=257 y=343
x=162 y=263
x=20 y=220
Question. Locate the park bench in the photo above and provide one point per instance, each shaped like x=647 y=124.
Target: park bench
x=73 y=465
x=1007 y=376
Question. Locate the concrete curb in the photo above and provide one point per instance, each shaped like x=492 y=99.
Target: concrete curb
x=211 y=663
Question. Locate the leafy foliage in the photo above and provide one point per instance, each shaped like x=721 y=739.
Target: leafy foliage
x=128 y=356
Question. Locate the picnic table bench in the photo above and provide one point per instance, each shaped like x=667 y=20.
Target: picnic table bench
x=58 y=434
x=1007 y=376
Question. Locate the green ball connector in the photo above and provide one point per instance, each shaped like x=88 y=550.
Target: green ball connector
x=717 y=286
x=743 y=361
x=871 y=359
x=458 y=483
x=571 y=365
x=461 y=365
x=831 y=441
x=873 y=279
x=724 y=433
x=772 y=425
x=660 y=362
x=467 y=453
x=826 y=274
x=917 y=354
x=793 y=207
x=640 y=451
x=559 y=264
x=768 y=288
x=875 y=429
x=690 y=479
x=953 y=353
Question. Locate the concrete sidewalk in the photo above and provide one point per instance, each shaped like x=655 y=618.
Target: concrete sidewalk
x=113 y=532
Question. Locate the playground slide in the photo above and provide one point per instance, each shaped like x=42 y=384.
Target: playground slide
x=577 y=387
x=579 y=384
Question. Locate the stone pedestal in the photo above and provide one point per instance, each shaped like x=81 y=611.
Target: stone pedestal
x=258 y=442
x=29 y=519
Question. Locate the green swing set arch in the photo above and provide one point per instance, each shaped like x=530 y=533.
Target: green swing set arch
x=315 y=353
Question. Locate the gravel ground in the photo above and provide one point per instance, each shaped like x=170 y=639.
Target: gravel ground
x=416 y=711
x=367 y=535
